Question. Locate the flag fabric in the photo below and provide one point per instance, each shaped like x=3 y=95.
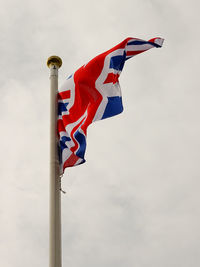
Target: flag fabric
x=93 y=93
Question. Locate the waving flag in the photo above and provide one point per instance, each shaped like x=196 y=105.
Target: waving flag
x=93 y=93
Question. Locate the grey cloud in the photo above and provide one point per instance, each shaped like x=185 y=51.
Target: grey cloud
x=135 y=201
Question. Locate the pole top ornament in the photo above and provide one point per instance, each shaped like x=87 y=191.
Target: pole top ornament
x=54 y=60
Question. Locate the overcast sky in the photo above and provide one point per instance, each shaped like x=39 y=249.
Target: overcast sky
x=135 y=202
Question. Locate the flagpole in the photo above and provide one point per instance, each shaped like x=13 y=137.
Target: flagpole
x=55 y=256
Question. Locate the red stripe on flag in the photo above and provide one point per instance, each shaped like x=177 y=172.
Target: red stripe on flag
x=60 y=125
x=133 y=53
x=153 y=39
x=70 y=161
x=75 y=147
x=112 y=78
x=65 y=94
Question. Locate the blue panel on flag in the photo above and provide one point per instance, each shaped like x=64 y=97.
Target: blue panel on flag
x=82 y=144
x=113 y=107
x=62 y=145
x=62 y=107
x=63 y=141
x=117 y=62
x=137 y=42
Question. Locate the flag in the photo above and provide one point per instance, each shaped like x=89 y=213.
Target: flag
x=93 y=93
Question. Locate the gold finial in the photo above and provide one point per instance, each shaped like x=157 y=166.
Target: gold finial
x=54 y=60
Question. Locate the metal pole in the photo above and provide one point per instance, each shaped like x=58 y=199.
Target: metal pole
x=55 y=258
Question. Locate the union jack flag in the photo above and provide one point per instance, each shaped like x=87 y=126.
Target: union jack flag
x=93 y=93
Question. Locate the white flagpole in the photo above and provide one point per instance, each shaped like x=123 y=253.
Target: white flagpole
x=55 y=258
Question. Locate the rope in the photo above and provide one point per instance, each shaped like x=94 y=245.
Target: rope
x=64 y=192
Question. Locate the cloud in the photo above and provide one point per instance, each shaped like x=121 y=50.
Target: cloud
x=134 y=202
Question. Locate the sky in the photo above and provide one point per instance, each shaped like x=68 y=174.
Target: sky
x=135 y=202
